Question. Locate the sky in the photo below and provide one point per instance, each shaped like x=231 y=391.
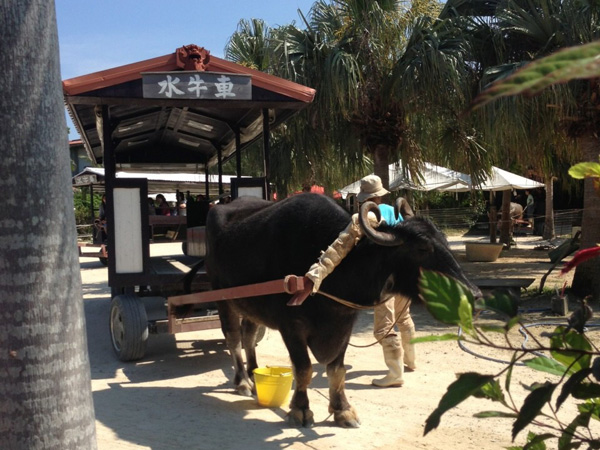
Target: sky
x=102 y=34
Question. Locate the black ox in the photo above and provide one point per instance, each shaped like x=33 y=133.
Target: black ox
x=252 y=240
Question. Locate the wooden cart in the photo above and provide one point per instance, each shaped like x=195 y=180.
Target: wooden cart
x=184 y=112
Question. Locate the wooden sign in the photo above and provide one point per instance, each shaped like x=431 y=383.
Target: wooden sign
x=197 y=85
x=85 y=179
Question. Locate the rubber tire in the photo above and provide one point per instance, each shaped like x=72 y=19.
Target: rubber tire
x=128 y=325
x=104 y=261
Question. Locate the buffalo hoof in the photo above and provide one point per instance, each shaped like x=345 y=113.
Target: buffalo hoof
x=301 y=418
x=347 y=418
x=245 y=389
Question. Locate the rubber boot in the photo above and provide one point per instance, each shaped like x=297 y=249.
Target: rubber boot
x=408 y=348
x=392 y=355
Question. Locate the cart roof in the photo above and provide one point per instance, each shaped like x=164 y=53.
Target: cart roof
x=160 y=133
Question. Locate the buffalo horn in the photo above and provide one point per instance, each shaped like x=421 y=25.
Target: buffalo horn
x=373 y=234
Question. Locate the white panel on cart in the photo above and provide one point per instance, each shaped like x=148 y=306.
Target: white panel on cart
x=128 y=238
x=250 y=191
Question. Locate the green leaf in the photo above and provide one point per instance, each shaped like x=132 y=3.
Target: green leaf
x=532 y=406
x=585 y=170
x=492 y=329
x=442 y=337
x=511 y=323
x=509 y=372
x=568 y=349
x=536 y=441
x=466 y=385
x=581 y=420
x=585 y=391
x=547 y=365
x=488 y=414
x=447 y=300
x=573 y=381
x=568 y=64
x=499 y=302
x=491 y=391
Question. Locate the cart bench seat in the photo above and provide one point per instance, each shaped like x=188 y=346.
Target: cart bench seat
x=99 y=251
x=170 y=221
x=513 y=284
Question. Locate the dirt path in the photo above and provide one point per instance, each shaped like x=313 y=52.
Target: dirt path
x=180 y=395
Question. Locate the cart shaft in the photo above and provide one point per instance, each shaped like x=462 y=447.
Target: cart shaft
x=290 y=285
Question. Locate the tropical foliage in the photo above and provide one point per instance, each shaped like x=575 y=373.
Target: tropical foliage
x=568 y=355
x=561 y=122
x=373 y=65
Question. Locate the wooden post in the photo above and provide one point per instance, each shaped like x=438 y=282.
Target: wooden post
x=238 y=152
x=493 y=217
x=220 y=167
x=266 y=150
x=505 y=221
x=110 y=169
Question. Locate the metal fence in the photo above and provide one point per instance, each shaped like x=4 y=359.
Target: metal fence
x=466 y=218
x=566 y=219
x=448 y=218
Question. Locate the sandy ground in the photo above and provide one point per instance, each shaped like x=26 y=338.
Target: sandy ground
x=180 y=395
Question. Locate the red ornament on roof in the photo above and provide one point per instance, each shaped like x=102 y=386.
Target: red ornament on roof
x=192 y=57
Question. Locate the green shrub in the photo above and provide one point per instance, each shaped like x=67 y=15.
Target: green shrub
x=573 y=357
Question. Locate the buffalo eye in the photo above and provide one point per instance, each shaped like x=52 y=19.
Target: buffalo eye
x=424 y=248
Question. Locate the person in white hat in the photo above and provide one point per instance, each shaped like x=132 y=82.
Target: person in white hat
x=397 y=349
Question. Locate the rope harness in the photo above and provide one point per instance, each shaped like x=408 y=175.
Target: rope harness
x=330 y=259
x=363 y=308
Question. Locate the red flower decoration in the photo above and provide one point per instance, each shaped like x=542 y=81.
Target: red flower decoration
x=581 y=256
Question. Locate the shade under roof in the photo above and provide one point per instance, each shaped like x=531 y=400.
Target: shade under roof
x=181 y=134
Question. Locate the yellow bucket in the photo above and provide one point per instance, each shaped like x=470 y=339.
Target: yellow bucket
x=273 y=385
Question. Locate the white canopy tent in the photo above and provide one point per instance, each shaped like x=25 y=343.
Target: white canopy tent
x=160 y=183
x=433 y=178
x=499 y=180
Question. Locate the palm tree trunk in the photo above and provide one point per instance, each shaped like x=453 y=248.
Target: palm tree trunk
x=505 y=222
x=493 y=217
x=45 y=378
x=549 y=232
x=381 y=161
x=587 y=275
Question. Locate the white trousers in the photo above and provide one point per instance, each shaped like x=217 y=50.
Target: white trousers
x=386 y=314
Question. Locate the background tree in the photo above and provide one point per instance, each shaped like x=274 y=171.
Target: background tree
x=300 y=153
x=518 y=133
x=533 y=29
x=45 y=378
x=348 y=53
x=389 y=78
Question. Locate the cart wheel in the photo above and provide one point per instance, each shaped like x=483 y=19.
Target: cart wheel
x=128 y=327
x=104 y=261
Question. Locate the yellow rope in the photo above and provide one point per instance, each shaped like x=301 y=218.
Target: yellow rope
x=362 y=307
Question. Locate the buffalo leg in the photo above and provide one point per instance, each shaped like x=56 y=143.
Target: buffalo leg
x=249 y=337
x=300 y=414
x=230 y=325
x=343 y=413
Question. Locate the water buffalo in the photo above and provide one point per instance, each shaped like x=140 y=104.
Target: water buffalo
x=252 y=240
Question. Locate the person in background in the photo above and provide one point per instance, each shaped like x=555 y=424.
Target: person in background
x=102 y=208
x=397 y=349
x=101 y=222
x=181 y=204
x=162 y=208
x=529 y=207
x=151 y=207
